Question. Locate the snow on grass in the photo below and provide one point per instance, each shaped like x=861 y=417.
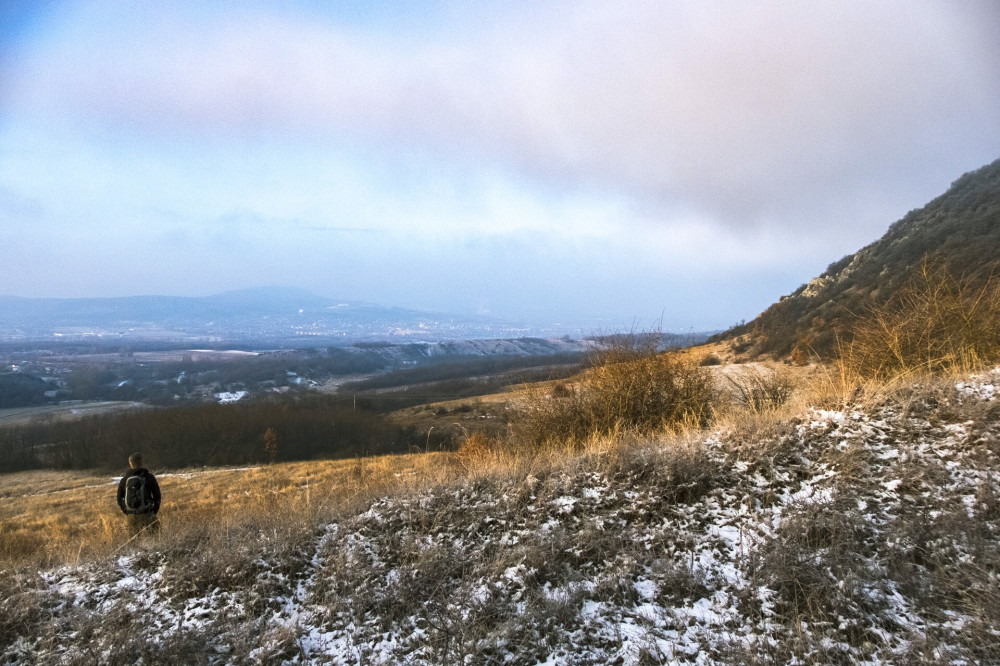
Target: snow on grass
x=830 y=548
x=982 y=386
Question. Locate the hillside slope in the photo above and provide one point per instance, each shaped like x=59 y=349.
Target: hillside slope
x=959 y=231
x=867 y=534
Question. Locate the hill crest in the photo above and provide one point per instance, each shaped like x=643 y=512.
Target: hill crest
x=958 y=231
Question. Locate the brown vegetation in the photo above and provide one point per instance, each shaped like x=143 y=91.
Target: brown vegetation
x=958 y=231
x=759 y=390
x=936 y=323
x=632 y=389
x=51 y=517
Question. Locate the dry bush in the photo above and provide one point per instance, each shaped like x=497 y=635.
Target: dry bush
x=938 y=323
x=432 y=592
x=236 y=555
x=711 y=359
x=23 y=608
x=758 y=390
x=766 y=445
x=476 y=451
x=456 y=592
x=632 y=388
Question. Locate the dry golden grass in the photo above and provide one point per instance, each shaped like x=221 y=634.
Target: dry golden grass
x=49 y=518
x=52 y=517
x=633 y=389
x=55 y=517
x=938 y=323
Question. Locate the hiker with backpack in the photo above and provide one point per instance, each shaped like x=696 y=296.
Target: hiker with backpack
x=139 y=498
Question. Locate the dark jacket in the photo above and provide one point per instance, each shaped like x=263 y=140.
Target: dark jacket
x=151 y=483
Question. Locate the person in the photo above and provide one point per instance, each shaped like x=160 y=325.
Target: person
x=139 y=499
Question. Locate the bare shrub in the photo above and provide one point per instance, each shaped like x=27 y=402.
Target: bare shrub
x=759 y=390
x=560 y=390
x=946 y=562
x=711 y=359
x=236 y=554
x=937 y=323
x=766 y=447
x=678 y=584
x=799 y=356
x=632 y=388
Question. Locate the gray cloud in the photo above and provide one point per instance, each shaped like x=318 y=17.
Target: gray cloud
x=618 y=158
x=751 y=113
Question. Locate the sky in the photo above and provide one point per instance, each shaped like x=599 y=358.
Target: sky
x=677 y=164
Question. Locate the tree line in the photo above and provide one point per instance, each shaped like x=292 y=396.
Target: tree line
x=212 y=434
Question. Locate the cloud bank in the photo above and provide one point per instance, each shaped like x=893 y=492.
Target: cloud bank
x=756 y=129
x=743 y=109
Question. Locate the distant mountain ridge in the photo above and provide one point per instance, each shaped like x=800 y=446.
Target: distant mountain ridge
x=276 y=313
x=958 y=231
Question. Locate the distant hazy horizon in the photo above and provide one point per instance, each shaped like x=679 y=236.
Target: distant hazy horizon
x=681 y=164
x=274 y=315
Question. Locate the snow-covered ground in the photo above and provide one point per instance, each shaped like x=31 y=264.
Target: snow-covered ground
x=867 y=534
x=227 y=397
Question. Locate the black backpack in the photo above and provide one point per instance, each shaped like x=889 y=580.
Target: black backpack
x=138 y=497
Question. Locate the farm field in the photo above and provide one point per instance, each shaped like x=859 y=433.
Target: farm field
x=64 y=411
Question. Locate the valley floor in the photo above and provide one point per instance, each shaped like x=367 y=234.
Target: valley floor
x=862 y=534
